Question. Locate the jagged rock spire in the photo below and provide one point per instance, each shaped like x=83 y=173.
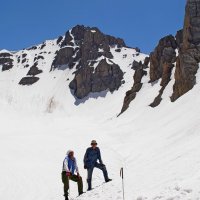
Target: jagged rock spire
x=189 y=52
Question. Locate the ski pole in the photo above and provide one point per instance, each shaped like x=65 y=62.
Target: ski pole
x=122 y=175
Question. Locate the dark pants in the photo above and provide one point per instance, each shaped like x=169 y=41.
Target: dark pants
x=90 y=172
x=75 y=178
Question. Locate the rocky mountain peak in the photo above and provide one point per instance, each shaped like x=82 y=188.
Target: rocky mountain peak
x=181 y=52
x=90 y=35
x=82 y=48
x=87 y=44
x=191 y=30
x=94 y=62
x=189 y=51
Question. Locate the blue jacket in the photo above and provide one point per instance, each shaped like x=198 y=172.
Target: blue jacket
x=91 y=157
x=70 y=165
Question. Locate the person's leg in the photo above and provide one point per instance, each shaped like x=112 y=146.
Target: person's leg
x=89 y=177
x=103 y=168
x=65 y=181
x=79 y=181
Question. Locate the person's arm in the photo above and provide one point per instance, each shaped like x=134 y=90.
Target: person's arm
x=99 y=156
x=85 y=157
x=65 y=165
x=76 y=166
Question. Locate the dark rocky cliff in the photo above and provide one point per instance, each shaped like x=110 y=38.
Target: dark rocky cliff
x=84 y=47
x=89 y=56
x=189 y=51
x=6 y=61
x=181 y=52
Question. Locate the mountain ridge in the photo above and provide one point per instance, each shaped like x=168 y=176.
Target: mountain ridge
x=88 y=55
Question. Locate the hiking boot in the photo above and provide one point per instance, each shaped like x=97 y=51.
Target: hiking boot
x=108 y=180
x=81 y=193
x=66 y=197
x=89 y=184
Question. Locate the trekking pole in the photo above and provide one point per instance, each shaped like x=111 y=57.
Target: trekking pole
x=122 y=175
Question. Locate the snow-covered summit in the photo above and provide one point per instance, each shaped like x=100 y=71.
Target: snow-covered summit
x=51 y=74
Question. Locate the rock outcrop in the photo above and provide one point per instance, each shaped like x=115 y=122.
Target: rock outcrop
x=106 y=76
x=83 y=47
x=31 y=78
x=34 y=70
x=187 y=43
x=162 y=61
x=189 y=51
x=6 y=61
x=140 y=71
x=181 y=52
x=92 y=58
x=162 y=58
x=28 y=80
x=161 y=64
x=64 y=58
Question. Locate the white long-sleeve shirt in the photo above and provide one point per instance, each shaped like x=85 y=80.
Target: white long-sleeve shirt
x=66 y=164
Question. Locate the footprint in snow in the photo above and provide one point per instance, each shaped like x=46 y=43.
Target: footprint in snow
x=141 y=198
x=158 y=197
x=174 y=198
x=177 y=188
x=188 y=190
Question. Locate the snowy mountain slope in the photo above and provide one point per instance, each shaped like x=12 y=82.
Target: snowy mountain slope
x=63 y=93
x=77 y=71
x=159 y=149
x=52 y=93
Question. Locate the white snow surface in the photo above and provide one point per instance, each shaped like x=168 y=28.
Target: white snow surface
x=158 y=148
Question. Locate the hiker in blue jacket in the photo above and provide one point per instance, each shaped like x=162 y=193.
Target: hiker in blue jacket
x=90 y=162
x=68 y=173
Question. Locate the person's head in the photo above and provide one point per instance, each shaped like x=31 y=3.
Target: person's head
x=94 y=144
x=70 y=153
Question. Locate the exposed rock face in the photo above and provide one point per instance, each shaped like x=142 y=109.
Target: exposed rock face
x=6 y=61
x=187 y=41
x=28 y=80
x=189 y=51
x=38 y=58
x=64 y=58
x=87 y=52
x=59 y=39
x=179 y=37
x=161 y=64
x=105 y=76
x=31 y=78
x=86 y=44
x=181 y=51
x=82 y=47
x=34 y=70
x=138 y=75
x=162 y=59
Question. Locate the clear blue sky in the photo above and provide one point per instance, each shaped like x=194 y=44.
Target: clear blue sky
x=139 y=22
